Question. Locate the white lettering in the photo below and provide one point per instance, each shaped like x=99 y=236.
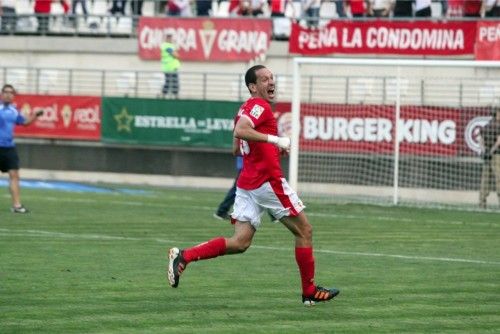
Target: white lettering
x=378 y=130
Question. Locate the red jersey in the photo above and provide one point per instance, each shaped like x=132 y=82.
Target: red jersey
x=261 y=160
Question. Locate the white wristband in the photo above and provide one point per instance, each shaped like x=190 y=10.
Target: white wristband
x=272 y=139
x=282 y=142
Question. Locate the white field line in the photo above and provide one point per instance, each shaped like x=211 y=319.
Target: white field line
x=312 y=214
x=4 y=232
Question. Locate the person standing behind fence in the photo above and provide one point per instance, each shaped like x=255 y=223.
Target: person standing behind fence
x=491 y=8
x=42 y=10
x=490 y=152
x=203 y=7
x=118 y=7
x=170 y=65
x=179 y=8
x=310 y=10
x=9 y=18
x=136 y=7
x=9 y=160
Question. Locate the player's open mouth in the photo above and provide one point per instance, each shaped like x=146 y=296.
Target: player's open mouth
x=270 y=92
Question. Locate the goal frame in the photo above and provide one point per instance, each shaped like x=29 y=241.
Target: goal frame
x=398 y=63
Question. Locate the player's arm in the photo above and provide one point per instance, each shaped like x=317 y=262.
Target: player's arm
x=244 y=130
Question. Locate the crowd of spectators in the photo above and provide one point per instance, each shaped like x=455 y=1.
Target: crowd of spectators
x=309 y=11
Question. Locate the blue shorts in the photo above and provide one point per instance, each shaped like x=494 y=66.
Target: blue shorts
x=8 y=159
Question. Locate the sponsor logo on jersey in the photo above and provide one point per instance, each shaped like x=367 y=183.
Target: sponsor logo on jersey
x=256 y=111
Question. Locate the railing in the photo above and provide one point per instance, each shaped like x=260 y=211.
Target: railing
x=475 y=90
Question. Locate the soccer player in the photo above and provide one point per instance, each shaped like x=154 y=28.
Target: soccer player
x=9 y=160
x=260 y=187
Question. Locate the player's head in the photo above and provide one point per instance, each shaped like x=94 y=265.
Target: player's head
x=8 y=93
x=168 y=37
x=260 y=82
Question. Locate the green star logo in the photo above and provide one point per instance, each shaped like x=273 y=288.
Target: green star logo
x=123 y=120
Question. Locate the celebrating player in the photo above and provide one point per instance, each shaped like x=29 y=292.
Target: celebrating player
x=260 y=187
x=9 y=161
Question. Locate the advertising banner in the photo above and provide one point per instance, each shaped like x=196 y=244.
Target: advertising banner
x=417 y=38
x=206 y=39
x=168 y=122
x=65 y=117
x=488 y=40
x=422 y=130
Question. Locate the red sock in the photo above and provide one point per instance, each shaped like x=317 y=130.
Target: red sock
x=206 y=250
x=305 y=261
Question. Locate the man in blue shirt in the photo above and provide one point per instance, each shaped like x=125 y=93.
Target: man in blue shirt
x=9 y=160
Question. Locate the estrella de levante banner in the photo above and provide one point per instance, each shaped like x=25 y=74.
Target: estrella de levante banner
x=206 y=39
x=417 y=38
x=168 y=122
x=65 y=117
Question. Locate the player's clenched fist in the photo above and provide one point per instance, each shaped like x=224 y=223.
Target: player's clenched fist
x=281 y=142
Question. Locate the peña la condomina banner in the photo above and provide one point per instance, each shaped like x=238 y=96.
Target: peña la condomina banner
x=168 y=122
x=206 y=39
x=418 y=38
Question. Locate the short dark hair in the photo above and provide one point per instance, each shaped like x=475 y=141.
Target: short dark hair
x=250 y=76
x=8 y=86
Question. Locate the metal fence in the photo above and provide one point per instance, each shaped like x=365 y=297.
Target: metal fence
x=362 y=88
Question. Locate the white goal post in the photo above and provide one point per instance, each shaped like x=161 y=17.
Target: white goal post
x=343 y=128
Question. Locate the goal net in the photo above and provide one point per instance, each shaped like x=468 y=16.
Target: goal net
x=346 y=115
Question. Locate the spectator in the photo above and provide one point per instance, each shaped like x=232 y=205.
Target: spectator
x=403 y=8
x=256 y=7
x=170 y=65
x=380 y=8
x=9 y=17
x=42 y=10
x=83 y=5
x=490 y=152
x=311 y=8
x=491 y=8
x=118 y=7
x=278 y=7
x=203 y=7
x=454 y=8
x=136 y=7
x=423 y=8
x=179 y=8
x=472 y=8
x=235 y=7
x=357 y=8
x=340 y=7
x=9 y=160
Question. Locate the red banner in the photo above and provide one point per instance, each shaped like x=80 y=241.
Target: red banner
x=385 y=37
x=370 y=129
x=488 y=40
x=65 y=117
x=202 y=39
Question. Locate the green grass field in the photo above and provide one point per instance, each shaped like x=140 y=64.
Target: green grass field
x=95 y=263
